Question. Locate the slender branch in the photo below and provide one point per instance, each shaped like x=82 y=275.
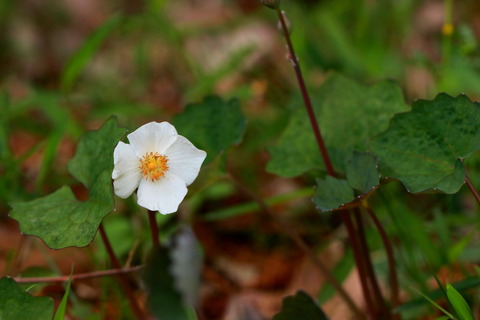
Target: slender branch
x=121 y=277
x=394 y=294
x=154 y=228
x=300 y=243
x=78 y=276
x=305 y=96
x=474 y=191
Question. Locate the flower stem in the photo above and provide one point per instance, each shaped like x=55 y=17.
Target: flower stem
x=154 y=228
x=394 y=294
x=306 y=96
x=79 y=276
x=474 y=191
x=121 y=277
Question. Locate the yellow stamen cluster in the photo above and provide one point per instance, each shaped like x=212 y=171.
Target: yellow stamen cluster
x=153 y=166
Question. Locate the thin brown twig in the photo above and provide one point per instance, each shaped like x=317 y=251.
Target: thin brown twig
x=138 y=313
x=79 y=276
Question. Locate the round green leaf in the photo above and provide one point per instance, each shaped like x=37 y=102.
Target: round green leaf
x=348 y=114
x=59 y=219
x=17 y=304
x=361 y=181
x=332 y=193
x=424 y=148
x=212 y=125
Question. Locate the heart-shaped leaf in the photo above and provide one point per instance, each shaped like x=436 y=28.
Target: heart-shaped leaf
x=59 y=219
x=424 y=148
x=17 y=304
x=348 y=114
x=212 y=125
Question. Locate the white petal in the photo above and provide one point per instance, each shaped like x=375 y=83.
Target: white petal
x=126 y=173
x=152 y=137
x=164 y=195
x=184 y=159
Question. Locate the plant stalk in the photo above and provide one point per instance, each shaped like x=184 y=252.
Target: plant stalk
x=300 y=243
x=394 y=289
x=382 y=309
x=154 y=228
x=360 y=261
x=306 y=96
x=121 y=277
x=474 y=191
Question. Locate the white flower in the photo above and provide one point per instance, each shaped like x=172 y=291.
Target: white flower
x=160 y=163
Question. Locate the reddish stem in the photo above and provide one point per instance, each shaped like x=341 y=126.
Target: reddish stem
x=306 y=97
x=390 y=257
x=359 y=261
x=154 y=228
x=369 y=266
x=121 y=277
x=474 y=191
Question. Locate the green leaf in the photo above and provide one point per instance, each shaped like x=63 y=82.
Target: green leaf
x=332 y=193
x=81 y=58
x=348 y=114
x=62 y=307
x=212 y=125
x=300 y=307
x=362 y=172
x=424 y=148
x=459 y=304
x=362 y=179
x=164 y=301
x=17 y=304
x=59 y=219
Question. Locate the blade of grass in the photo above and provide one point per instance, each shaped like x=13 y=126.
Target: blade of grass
x=434 y=304
x=81 y=58
x=458 y=303
x=62 y=307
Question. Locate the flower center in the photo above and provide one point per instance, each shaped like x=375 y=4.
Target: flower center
x=153 y=166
